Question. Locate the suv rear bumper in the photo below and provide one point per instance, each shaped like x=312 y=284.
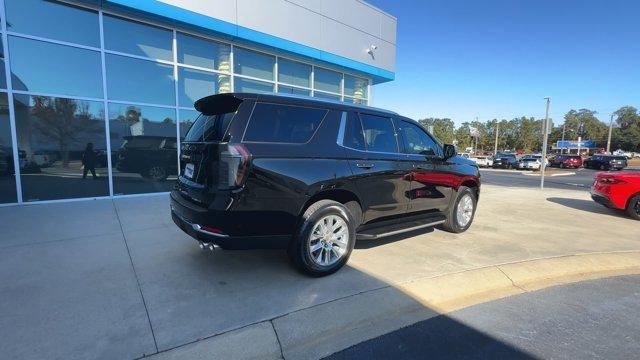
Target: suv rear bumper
x=191 y=219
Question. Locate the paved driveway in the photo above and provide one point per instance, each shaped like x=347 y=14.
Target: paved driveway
x=116 y=279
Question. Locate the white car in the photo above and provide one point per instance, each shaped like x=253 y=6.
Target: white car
x=530 y=162
x=483 y=161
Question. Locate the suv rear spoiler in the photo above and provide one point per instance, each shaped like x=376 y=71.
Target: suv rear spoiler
x=218 y=104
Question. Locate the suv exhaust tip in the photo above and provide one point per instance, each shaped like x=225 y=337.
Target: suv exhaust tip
x=208 y=246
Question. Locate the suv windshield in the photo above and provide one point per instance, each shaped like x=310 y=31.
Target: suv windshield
x=209 y=127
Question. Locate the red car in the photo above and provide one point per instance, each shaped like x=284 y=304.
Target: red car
x=566 y=161
x=618 y=191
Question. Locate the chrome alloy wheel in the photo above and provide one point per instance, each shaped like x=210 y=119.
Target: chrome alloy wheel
x=464 y=211
x=329 y=240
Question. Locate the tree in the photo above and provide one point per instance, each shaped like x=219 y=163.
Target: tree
x=626 y=135
x=64 y=121
x=585 y=119
x=443 y=129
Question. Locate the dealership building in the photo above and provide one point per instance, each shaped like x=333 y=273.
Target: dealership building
x=118 y=79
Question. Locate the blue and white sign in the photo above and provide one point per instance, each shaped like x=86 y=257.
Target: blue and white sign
x=574 y=144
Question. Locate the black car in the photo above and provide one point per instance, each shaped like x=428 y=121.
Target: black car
x=606 y=162
x=153 y=157
x=505 y=161
x=312 y=176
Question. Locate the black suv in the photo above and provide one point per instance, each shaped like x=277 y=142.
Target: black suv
x=312 y=176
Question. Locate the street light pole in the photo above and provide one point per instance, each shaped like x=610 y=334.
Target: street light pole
x=545 y=135
x=609 y=137
x=495 y=147
x=564 y=126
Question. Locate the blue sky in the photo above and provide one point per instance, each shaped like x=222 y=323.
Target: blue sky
x=499 y=58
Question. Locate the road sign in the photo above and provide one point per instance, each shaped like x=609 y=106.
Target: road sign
x=574 y=144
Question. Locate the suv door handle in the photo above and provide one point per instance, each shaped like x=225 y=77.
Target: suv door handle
x=364 y=166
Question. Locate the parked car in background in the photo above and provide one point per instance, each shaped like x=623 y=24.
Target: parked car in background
x=530 y=162
x=566 y=161
x=606 y=162
x=505 y=161
x=626 y=154
x=618 y=191
x=482 y=161
x=314 y=176
x=153 y=157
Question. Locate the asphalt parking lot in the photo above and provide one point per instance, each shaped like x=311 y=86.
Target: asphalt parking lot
x=116 y=279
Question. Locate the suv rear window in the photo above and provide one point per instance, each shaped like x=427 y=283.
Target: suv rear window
x=278 y=123
x=379 y=134
x=209 y=127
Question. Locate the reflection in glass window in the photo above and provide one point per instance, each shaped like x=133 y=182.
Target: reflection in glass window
x=355 y=86
x=254 y=64
x=130 y=79
x=56 y=69
x=327 y=80
x=53 y=20
x=416 y=140
x=283 y=89
x=187 y=118
x=3 y=76
x=203 y=53
x=283 y=123
x=247 y=85
x=353 y=135
x=61 y=144
x=135 y=38
x=322 y=95
x=144 y=148
x=7 y=170
x=378 y=134
x=294 y=73
x=195 y=84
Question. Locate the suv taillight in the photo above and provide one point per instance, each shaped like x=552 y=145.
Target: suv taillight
x=234 y=167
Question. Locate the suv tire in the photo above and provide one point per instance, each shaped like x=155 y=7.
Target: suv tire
x=465 y=197
x=633 y=207
x=325 y=239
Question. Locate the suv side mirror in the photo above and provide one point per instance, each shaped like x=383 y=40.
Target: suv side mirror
x=449 y=151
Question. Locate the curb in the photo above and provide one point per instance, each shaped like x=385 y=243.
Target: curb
x=324 y=329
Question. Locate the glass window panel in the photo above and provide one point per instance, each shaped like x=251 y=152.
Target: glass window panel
x=130 y=79
x=60 y=141
x=3 y=76
x=187 y=118
x=294 y=73
x=53 y=20
x=144 y=148
x=7 y=170
x=416 y=140
x=327 y=80
x=355 y=100
x=322 y=95
x=199 y=52
x=283 y=124
x=135 y=38
x=254 y=64
x=195 y=84
x=379 y=134
x=38 y=66
x=283 y=89
x=253 y=86
x=353 y=135
x=355 y=86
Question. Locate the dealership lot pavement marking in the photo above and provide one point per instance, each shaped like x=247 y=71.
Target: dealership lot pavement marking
x=196 y=299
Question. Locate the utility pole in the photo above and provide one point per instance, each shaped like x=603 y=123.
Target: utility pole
x=545 y=135
x=495 y=147
x=609 y=137
x=564 y=126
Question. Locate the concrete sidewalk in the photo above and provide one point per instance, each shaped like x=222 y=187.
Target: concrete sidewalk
x=116 y=279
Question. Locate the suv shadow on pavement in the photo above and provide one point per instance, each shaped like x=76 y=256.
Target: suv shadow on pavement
x=586 y=205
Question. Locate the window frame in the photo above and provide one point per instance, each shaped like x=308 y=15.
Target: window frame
x=256 y=103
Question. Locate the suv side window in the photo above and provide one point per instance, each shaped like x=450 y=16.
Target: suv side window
x=278 y=123
x=353 y=135
x=379 y=134
x=416 y=140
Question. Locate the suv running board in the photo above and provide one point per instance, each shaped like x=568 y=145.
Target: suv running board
x=398 y=226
